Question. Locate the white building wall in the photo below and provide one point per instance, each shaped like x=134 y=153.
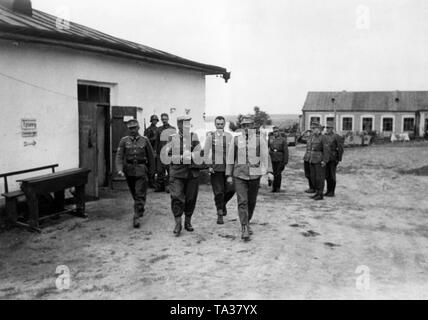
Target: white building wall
x=154 y=88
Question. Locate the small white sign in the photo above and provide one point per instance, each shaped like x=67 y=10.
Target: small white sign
x=127 y=118
x=29 y=128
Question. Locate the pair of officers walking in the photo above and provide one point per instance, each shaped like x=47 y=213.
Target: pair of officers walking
x=243 y=160
x=322 y=156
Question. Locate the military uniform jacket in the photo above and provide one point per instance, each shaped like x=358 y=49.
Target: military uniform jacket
x=320 y=149
x=213 y=142
x=135 y=156
x=240 y=165
x=162 y=140
x=152 y=133
x=336 y=147
x=181 y=168
x=278 y=149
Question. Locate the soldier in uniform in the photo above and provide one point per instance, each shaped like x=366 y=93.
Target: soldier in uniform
x=319 y=156
x=215 y=151
x=307 y=164
x=165 y=131
x=184 y=174
x=248 y=160
x=135 y=161
x=278 y=150
x=336 y=154
x=152 y=133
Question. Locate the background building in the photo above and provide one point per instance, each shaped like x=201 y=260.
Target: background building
x=385 y=112
x=66 y=91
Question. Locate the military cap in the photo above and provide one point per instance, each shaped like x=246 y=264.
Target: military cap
x=184 y=118
x=247 y=120
x=132 y=123
x=154 y=117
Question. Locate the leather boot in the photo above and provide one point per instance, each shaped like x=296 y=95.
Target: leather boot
x=250 y=231
x=178 y=227
x=245 y=233
x=220 y=217
x=188 y=225
x=318 y=196
x=310 y=191
x=224 y=212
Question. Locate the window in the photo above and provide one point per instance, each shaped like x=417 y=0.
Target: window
x=368 y=124
x=315 y=119
x=408 y=124
x=329 y=119
x=387 y=124
x=347 y=124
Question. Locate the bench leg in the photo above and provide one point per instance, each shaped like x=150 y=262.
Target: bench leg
x=33 y=208
x=80 y=201
x=12 y=210
x=59 y=200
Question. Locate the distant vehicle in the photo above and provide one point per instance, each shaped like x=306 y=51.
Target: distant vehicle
x=304 y=136
x=291 y=139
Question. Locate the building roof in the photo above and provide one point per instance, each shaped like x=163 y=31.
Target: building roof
x=41 y=27
x=381 y=101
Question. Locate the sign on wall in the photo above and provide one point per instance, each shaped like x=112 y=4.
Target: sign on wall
x=29 y=128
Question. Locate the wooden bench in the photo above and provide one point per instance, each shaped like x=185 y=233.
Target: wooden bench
x=12 y=197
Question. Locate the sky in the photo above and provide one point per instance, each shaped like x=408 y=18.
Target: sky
x=277 y=50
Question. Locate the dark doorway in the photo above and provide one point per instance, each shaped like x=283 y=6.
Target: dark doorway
x=94 y=135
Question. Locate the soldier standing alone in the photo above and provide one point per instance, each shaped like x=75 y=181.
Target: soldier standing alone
x=278 y=150
x=135 y=161
x=336 y=154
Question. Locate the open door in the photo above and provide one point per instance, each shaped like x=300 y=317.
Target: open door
x=88 y=144
x=119 y=130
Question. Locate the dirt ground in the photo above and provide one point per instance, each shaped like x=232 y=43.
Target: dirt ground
x=301 y=248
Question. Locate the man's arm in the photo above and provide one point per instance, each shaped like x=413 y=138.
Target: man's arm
x=325 y=149
x=286 y=153
x=340 y=149
x=230 y=158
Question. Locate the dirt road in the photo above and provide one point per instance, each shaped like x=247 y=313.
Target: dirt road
x=378 y=224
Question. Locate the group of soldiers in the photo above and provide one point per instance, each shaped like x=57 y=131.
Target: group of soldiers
x=171 y=161
x=323 y=154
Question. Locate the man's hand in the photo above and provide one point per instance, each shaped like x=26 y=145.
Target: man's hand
x=322 y=164
x=229 y=180
x=211 y=170
x=270 y=176
x=120 y=173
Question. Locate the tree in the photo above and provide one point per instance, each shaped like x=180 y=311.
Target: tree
x=261 y=118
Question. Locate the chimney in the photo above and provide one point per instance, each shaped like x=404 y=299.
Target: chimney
x=18 y=6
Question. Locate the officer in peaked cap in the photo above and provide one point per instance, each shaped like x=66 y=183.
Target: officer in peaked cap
x=336 y=153
x=135 y=161
x=184 y=174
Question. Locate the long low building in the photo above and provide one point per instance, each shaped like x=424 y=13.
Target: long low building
x=67 y=90
x=386 y=112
